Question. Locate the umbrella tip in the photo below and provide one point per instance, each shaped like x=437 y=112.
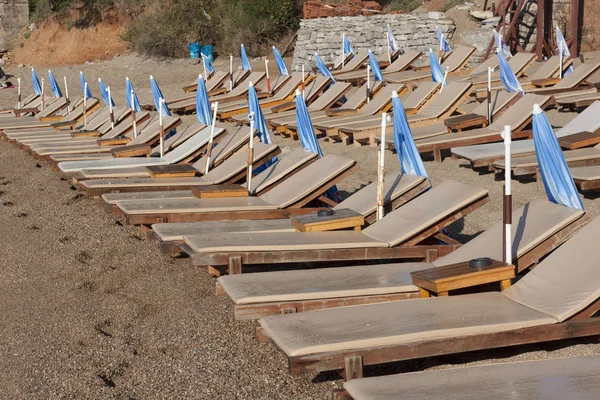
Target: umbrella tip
x=537 y=109
x=298 y=92
x=430 y=50
x=395 y=95
x=250 y=83
x=151 y=77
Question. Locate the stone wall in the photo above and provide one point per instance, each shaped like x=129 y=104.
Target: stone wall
x=14 y=16
x=324 y=35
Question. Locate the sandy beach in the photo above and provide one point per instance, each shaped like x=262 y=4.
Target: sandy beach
x=91 y=309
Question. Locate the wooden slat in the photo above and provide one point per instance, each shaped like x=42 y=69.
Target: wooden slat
x=172 y=171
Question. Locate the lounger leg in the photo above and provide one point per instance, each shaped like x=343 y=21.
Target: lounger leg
x=431 y=255
x=340 y=394
x=235 y=265
x=505 y=284
x=424 y=293
x=260 y=335
x=437 y=154
x=353 y=368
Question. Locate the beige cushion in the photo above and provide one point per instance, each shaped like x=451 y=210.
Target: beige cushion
x=398 y=322
x=589 y=173
x=177 y=231
x=113 y=198
x=229 y=204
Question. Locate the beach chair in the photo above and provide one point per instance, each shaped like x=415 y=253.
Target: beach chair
x=518 y=117
x=230 y=171
x=283 y=201
x=442 y=106
x=399 y=189
x=552 y=302
x=519 y=63
x=484 y=155
x=575 y=80
x=538 y=228
x=355 y=63
x=554 y=379
x=578 y=100
x=455 y=61
x=401 y=234
x=400 y=64
x=215 y=81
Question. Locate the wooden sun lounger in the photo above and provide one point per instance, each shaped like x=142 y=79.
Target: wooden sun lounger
x=400 y=64
x=400 y=189
x=484 y=155
x=214 y=81
x=355 y=63
x=230 y=171
x=576 y=80
x=550 y=303
x=538 y=228
x=519 y=63
x=554 y=379
x=518 y=117
x=24 y=104
x=578 y=100
x=442 y=106
x=401 y=234
x=283 y=201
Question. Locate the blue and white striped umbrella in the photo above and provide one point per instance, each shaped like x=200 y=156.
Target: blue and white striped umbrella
x=556 y=176
x=157 y=95
x=54 y=88
x=104 y=93
x=86 y=91
x=444 y=46
x=501 y=45
x=208 y=65
x=375 y=67
x=323 y=68
x=437 y=75
x=203 y=111
x=36 y=83
x=392 y=42
x=564 y=49
x=128 y=94
x=245 y=63
x=347 y=46
x=283 y=71
x=409 y=156
x=507 y=76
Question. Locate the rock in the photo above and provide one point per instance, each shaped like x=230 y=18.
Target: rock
x=481 y=15
x=20 y=65
x=491 y=21
x=463 y=7
x=469 y=3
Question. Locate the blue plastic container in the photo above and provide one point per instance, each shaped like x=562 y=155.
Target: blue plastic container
x=194 y=49
x=208 y=53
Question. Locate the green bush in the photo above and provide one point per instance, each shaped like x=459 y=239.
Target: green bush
x=404 y=5
x=26 y=34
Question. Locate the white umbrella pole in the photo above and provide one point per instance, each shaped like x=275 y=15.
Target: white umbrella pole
x=133 y=116
x=250 y=153
x=507 y=212
x=110 y=109
x=444 y=79
x=18 y=92
x=230 y=73
x=85 y=89
x=560 y=59
x=489 y=96
x=303 y=86
x=387 y=40
x=204 y=66
x=380 y=169
x=343 y=51
x=368 y=83
x=162 y=127
x=67 y=95
x=215 y=107
x=42 y=94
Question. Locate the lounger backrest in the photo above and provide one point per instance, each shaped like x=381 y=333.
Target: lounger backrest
x=52 y=108
x=363 y=200
x=242 y=87
x=305 y=182
x=500 y=99
x=216 y=80
x=330 y=96
x=153 y=130
x=567 y=281
x=77 y=112
x=520 y=61
x=337 y=63
x=581 y=73
x=381 y=99
x=277 y=83
x=98 y=118
x=237 y=163
x=239 y=76
x=278 y=171
x=180 y=137
x=533 y=223
x=587 y=120
x=420 y=94
x=520 y=112
x=226 y=146
x=357 y=61
x=458 y=58
x=191 y=145
x=403 y=62
x=444 y=101
x=27 y=100
x=491 y=62
x=359 y=97
x=433 y=206
x=548 y=69
x=126 y=125
x=315 y=87
x=290 y=86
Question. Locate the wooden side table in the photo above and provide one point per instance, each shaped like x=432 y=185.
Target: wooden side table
x=172 y=171
x=545 y=82
x=217 y=191
x=579 y=140
x=460 y=122
x=341 y=219
x=439 y=281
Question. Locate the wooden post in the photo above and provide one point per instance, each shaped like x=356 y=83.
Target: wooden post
x=489 y=95
x=18 y=92
x=575 y=20
x=381 y=169
x=507 y=206
x=539 y=40
x=230 y=72
x=215 y=107
x=42 y=106
x=250 y=153
x=368 y=83
x=67 y=95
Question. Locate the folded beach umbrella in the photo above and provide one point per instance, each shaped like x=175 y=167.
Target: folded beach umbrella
x=308 y=138
x=563 y=49
x=85 y=89
x=104 y=93
x=410 y=159
x=322 y=68
x=260 y=124
x=203 y=111
x=54 y=88
x=392 y=42
x=208 y=65
x=375 y=67
x=501 y=45
x=157 y=95
x=36 y=83
x=437 y=75
x=444 y=46
x=556 y=176
x=283 y=71
x=507 y=76
x=132 y=99
x=245 y=63
x=347 y=46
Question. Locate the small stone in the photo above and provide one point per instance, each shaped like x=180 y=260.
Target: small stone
x=481 y=15
x=20 y=65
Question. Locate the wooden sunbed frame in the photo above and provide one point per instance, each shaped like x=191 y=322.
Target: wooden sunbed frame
x=350 y=363
x=412 y=248
x=522 y=263
x=533 y=171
